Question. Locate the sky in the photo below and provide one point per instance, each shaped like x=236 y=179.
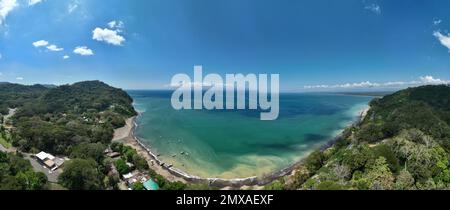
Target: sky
x=315 y=45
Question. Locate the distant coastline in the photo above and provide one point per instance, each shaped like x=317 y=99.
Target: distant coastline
x=369 y=94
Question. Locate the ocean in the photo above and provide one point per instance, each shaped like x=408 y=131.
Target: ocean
x=237 y=144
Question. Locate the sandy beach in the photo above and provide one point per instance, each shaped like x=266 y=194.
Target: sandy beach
x=123 y=132
x=125 y=135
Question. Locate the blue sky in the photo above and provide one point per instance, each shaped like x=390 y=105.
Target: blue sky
x=313 y=45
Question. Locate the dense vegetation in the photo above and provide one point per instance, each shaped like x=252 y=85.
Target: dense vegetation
x=130 y=155
x=402 y=144
x=16 y=173
x=76 y=121
x=91 y=170
x=73 y=120
x=15 y=95
x=55 y=119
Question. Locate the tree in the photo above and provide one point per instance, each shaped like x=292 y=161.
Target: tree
x=89 y=150
x=300 y=176
x=32 y=181
x=276 y=185
x=423 y=160
x=122 y=167
x=81 y=174
x=59 y=118
x=385 y=151
x=18 y=164
x=140 y=162
x=314 y=161
x=380 y=176
x=405 y=181
x=117 y=147
x=330 y=185
x=112 y=180
x=360 y=182
x=138 y=186
x=10 y=183
x=173 y=186
x=16 y=173
x=342 y=172
x=356 y=157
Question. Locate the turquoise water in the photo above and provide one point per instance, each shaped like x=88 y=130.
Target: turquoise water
x=237 y=144
x=151 y=185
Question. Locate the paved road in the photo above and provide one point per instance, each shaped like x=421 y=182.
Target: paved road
x=3 y=149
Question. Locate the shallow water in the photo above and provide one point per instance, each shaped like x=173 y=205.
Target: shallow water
x=237 y=144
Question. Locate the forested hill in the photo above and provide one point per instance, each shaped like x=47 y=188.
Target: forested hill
x=55 y=119
x=78 y=98
x=403 y=143
x=15 y=95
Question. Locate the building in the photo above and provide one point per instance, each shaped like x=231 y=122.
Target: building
x=49 y=161
x=138 y=177
x=111 y=154
x=128 y=176
x=46 y=159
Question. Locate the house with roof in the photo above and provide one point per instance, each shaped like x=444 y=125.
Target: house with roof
x=49 y=161
x=139 y=177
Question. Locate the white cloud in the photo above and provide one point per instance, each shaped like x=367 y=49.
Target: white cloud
x=375 y=8
x=72 y=7
x=6 y=6
x=108 y=36
x=112 y=24
x=54 y=48
x=40 y=43
x=437 y=22
x=425 y=80
x=65 y=57
x=50 y=47
x=432 y=80
x=19 y=78
x=115 y=24
x=445 y=40
x=33 y=2
x=83 y=50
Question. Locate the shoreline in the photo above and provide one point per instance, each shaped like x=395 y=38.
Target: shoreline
x=126 y=135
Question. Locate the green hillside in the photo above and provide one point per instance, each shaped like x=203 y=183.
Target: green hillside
x=403 y=143
x=15 y=95
x=55 y=119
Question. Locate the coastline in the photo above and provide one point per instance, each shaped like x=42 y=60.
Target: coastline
x=126 y=135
